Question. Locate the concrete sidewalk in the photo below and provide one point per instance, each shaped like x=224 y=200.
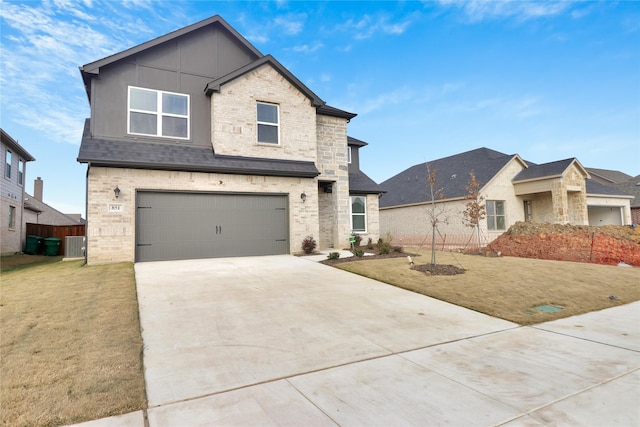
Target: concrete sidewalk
x=285 y=341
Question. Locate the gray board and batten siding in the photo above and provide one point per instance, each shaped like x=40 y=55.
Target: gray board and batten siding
x=177 y=225
x=182 y=65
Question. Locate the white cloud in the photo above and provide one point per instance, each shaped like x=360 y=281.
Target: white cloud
x=479 y=10
x=368 y=26
x=305 y=48
x=291 y=24
x=43 y=45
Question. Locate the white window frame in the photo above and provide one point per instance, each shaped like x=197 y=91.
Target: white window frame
x=21 y=164
x=8 y=159
x=276 y=125
x=159 y=113
x=492 y=219
x=349 y=154
x=351 y=213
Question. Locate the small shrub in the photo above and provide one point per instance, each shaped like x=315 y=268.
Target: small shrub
x=358 y=239
x=370 y=244
x=309 y=244
x=398 y=249
x=333 y=255
x=358 y=252
x=384 y=249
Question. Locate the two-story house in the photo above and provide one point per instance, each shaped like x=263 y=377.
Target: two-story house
x=14 y=172
x=200 y=146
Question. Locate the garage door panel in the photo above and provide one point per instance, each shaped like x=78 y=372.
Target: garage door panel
x=201 y=225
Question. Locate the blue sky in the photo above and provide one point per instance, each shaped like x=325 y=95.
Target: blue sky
x=546 y=80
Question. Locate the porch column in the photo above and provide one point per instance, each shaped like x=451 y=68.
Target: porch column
x=560 y=203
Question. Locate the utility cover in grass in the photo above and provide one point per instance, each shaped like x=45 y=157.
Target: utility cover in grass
x=548 y=308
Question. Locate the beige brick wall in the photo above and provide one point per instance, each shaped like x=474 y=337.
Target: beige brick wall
x=111 y=236
x=233 y=115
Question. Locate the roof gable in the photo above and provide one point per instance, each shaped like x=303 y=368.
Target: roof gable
x=8 y=141
x=451 y=173
x=215 y=85
x=93 y=68
x=549 y=170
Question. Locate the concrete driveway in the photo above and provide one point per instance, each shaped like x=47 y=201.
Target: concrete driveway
x=286 y=341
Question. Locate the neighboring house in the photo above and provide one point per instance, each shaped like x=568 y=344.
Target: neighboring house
x=14 y=172
x=514 y=190
x=38 y=212
x=200 y=146
x=621 y=182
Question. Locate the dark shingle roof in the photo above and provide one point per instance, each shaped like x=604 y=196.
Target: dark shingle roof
x=335 y=112
x=544 y=170
x=146 y=155
x=628 y=188
x=614 y=177
x=452 y=175
x=356 y=142
x=597 y=188
x=360 y=183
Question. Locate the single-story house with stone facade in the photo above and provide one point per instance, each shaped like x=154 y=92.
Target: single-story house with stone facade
x=200 y=146
x=513 y=190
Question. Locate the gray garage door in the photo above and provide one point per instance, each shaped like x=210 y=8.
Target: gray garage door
x=204 y=225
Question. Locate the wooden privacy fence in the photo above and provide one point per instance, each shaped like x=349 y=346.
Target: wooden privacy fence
x=59 y=231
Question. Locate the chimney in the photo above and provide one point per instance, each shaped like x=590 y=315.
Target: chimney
x=37 y=189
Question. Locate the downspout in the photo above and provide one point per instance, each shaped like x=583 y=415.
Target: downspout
x=86 y=211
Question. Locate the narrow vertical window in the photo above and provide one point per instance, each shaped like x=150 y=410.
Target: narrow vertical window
x=349 y=155
x=527 y=210
x=358 y=214
x=268 y=123
x=495 y=215
x=7 y=159
x=20 y=172
x=12 y=217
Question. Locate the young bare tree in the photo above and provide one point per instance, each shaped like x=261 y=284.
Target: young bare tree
x=475 y=208
x=435 y=212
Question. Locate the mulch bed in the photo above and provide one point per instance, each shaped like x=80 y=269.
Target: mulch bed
x=366 y=258
x=437 y=270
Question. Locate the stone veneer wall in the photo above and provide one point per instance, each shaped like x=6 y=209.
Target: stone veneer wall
x=234 y=117
x=333 y=166
x=111 y=235
x=570 y=206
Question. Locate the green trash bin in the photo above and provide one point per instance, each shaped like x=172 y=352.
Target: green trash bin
x=33 y=245
x=51 y=246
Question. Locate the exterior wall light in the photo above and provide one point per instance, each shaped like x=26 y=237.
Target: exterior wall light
x=303 y=196
x=116 y=191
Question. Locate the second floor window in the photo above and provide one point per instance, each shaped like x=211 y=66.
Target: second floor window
x=158 y=113
x=495 y=215
x=7 y=159
x=20 y=172
x=268 y=123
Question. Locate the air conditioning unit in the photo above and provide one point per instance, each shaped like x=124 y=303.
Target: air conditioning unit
x=74 y=246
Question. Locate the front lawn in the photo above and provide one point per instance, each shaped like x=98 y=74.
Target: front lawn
x=511 y=288
x=71 y=348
